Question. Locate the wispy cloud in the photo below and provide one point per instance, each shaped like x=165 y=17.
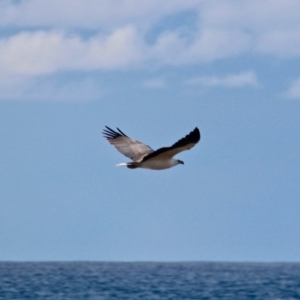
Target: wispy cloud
x=155 y=83
x=293 y=91
x=50 y=89
x=232 y=80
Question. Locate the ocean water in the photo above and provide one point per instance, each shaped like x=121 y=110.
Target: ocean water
x=166 y=281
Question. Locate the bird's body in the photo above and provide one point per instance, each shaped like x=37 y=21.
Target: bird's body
x=144 y=156
x=157 y=164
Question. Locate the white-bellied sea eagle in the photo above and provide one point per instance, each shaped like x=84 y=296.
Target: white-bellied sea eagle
x=145 y=157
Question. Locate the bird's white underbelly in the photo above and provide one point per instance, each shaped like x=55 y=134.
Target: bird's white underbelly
x=157 y=164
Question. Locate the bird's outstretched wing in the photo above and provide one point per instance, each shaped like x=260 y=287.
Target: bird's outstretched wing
x=127 y=146
x=183 y=144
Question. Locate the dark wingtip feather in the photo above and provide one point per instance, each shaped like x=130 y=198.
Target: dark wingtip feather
x=122 y=132
x=109 y=133
x=194 y=135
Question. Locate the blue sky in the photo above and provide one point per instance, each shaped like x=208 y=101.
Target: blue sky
x=156 y=71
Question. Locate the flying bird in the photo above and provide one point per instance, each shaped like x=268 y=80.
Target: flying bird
x=145 y=157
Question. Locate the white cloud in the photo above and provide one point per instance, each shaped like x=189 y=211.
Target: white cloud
x=223 y=29
x=41 y=52
x=232 y=81
x=213 y=44
x=45 y=38
x=256 y=15
x=47 y=52
x=282 y=43
x=293 y=91
x=272 y=25
x=93 y=14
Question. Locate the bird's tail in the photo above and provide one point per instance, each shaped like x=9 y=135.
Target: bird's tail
x=122 y=165
x=130 y=165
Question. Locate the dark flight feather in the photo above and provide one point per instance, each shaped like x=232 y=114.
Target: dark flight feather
x=192 y=138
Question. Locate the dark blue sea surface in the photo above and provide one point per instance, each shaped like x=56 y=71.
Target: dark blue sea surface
x=106 y=281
